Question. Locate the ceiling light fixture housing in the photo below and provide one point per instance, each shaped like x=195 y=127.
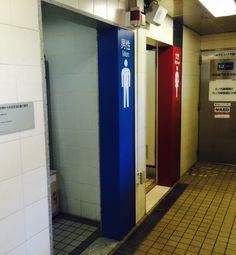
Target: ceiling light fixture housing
x=220 y=8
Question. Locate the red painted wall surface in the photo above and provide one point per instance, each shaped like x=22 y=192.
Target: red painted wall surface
x=169 y=114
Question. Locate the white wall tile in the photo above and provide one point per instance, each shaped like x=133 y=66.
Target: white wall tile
x=9 y=138
x=9 y=167
x=86 y=5
x=122 y=4
x=34 y=185
x=89 y=210
x=29 y=83
x=33 y=223
x=72 y=3
x=33 y=152
x=100 y=8
x=8 y=91
x=112 y=10
x=7 y=55
x=26 y=47
x=21 y=250
x=71 y=205
x=24 y=13
x=39 y=244
x=12 y=232
x=11 y=196
x=20 y=80
x=19 y=46
x=5 y=10
x=39 y=122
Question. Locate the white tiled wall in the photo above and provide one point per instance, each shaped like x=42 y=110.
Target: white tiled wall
x=23 y=181
x=74 y=101
x=107 y=9
x=218 y=41
x=190 y=98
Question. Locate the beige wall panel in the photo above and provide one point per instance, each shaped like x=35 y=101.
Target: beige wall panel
x=190 y=99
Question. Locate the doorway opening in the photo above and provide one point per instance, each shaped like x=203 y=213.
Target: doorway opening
x=71 y=62
x=151 y=117
x=154 y=192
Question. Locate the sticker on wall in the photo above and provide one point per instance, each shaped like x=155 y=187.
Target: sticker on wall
x=16 y=117
x=222 y=90
x=177 y=76
x=222 y=110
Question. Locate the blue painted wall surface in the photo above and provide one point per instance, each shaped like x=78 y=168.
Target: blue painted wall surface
x=116 y=53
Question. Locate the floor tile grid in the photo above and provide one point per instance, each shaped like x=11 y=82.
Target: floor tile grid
x=160 y=228
x=227 y=225
x=69 y=234
x=218 y=228
x=185 y=233
x=154 y=251
x=207 y=222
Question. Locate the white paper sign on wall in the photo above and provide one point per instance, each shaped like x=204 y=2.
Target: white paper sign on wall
x=16 y=117
x=222 y=90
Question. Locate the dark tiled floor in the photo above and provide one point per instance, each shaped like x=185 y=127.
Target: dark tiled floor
x=202 y=220
x=72 y=235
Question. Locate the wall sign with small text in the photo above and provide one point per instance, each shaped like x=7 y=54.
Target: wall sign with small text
x=16 y=117
x=222 y=110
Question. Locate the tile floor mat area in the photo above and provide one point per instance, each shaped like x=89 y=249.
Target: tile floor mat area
x=149 y=184
x=72 y=235
x=201 y=220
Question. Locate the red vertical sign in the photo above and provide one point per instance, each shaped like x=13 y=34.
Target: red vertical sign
x=169 y=114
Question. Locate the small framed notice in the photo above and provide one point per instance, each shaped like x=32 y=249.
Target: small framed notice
x=16 y=117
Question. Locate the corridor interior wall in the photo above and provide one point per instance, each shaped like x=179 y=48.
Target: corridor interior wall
x=24 y=220
x=190 y=99
x=218 y=41
x=108 y=9
x=71 y=50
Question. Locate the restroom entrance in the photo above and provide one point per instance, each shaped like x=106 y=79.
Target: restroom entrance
x=154 y=189
x=151 y=117
x=71 y=61
x=90 y=112
x=217 y=134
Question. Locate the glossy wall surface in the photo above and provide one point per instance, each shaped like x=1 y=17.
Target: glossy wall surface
x=74 y=114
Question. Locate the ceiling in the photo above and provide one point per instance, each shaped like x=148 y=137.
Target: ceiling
x=196 y=17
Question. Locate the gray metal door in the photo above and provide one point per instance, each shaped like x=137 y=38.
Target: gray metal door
x=217 y=133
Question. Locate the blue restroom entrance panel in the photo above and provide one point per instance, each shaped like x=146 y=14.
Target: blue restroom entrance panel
x=116 y=109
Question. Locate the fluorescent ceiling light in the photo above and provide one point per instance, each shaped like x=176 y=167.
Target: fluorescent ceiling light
x=220 y=8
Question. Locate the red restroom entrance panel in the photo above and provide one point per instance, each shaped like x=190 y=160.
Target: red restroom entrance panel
x=169 y=114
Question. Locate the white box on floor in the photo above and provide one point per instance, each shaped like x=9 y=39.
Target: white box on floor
x=54 y=192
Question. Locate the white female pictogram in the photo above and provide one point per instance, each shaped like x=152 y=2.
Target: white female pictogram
x=176 y=81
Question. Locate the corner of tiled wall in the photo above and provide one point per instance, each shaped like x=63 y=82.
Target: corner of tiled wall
x=24 y=218
x=107 y=9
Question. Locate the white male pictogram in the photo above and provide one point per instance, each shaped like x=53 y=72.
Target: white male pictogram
x=125 y=83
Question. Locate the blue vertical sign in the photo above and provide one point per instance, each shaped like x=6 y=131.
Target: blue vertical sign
x=116 y=111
